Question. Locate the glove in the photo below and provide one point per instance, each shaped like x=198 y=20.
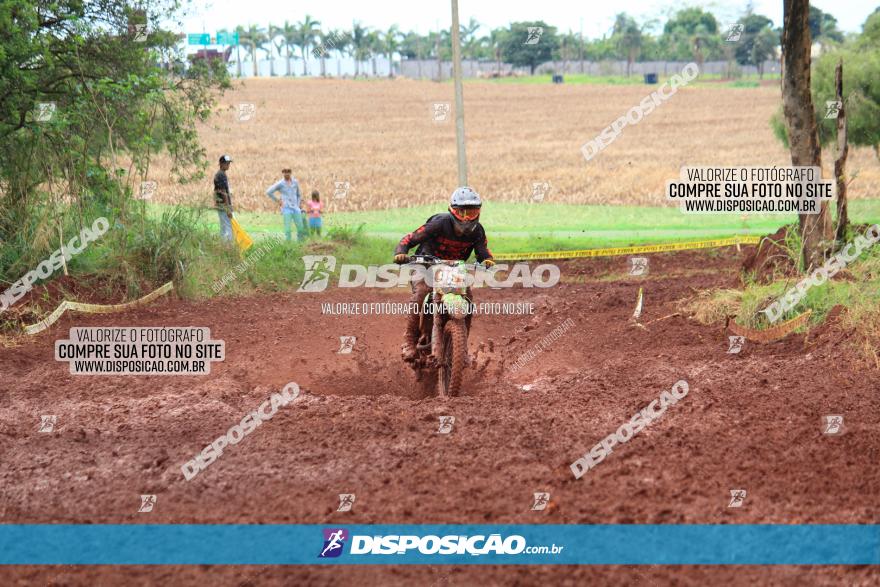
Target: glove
x=488 y=263
x=401 y=258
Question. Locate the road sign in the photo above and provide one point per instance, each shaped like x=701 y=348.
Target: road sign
x=198 y=39
x=224 y=38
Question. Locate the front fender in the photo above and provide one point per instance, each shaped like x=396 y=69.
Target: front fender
x=456 y=305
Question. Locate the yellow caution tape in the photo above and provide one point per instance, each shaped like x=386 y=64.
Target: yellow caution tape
x=95 y=308
x=774 y=333
x=661 y=248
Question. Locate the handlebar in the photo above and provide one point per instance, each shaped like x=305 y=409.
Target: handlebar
x=429 y=260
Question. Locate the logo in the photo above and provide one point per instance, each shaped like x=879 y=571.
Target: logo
x=55 y=261
x=832 y=108
x=476 y=545
x=346 y=344
x=148 y=190
x=138 y=31
x=820 y=275
x=541 y=501
x=735 y=344
x=318 y=271
x=328 y=43
x=737 y=497
x=45 y=111
x=440 y=111
x=637 y=113
x=539 y=190
x=319 y=268
x=239 y=431
x=334 y=541
x=832 y=425
x=734 y=32
x=534 y=35
x=638 y=265
x=47 y=423
x=346 y=500
x=446 y=423
x=630 y=428
x=147 y=503
x=340 y=189
x=246 y=111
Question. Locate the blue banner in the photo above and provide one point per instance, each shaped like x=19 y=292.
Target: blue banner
x=352 y=544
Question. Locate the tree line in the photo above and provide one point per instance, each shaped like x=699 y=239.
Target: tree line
x=690 y=34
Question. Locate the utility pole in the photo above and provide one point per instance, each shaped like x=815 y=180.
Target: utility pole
x=459 y=99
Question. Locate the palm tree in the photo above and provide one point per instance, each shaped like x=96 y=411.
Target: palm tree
x=469 y=41
x=286 y=37
x=328 y=40
x=253 y=37
x=359 y=47
x=266 y=46
x=240 y=30
x=276 y=39
x=375 y=47
x=391 y=43
x=343 y=41
x=307 y=30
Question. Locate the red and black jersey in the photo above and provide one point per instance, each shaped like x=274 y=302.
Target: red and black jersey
x=437 y=237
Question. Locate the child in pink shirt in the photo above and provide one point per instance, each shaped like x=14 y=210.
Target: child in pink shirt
x=315 y=207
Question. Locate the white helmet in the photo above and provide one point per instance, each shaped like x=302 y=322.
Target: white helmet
x=464 y=205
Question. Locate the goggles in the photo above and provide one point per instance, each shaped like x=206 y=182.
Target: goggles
x=465 y=214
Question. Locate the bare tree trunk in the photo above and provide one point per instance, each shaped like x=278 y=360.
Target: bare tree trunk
x=254 y=59
x=797 y=104
x=842 y=152
x=287 y=47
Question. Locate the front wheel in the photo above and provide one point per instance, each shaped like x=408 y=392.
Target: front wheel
x=453 y=359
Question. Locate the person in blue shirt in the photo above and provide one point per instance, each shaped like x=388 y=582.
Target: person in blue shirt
x=288 y=187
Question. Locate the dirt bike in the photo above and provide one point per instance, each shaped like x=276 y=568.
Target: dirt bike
x=444 y=324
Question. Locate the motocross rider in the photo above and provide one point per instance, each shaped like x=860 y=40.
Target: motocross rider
x=452 y=236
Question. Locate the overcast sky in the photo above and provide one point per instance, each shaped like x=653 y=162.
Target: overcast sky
x=422 y=16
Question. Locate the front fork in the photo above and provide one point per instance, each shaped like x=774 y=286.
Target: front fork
x=432 y=321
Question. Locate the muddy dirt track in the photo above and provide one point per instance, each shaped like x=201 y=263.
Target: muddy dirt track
x=750 y=421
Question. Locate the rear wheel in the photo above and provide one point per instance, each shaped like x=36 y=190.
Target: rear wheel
x=453 y=359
